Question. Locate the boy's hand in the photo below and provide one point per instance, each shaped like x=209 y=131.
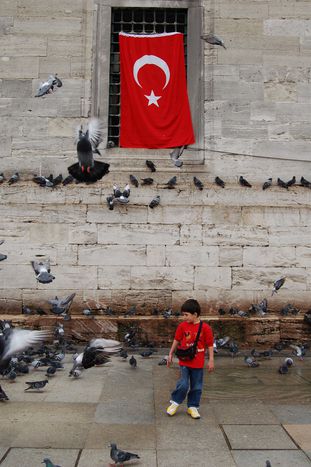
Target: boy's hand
x=210 y=367
x=169 y=360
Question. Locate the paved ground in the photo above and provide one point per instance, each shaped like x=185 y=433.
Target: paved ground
x=248 y=416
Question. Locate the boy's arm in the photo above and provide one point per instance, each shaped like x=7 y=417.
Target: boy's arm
x=210 y=364
x=172 y=350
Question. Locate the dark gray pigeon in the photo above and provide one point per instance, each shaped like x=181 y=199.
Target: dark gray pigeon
x=133 y=362
x=119 y=456
x=14 y=179
x=46 y=87
x=291 y=182
x=43 y=271
x=3 y=396
x=244 y=182
x=154 y=202
x=61 y=306
x=2 y=177
x=176 y=154
x=87 y=169
x=2 y=257
x=51 y=371
x=42 y=181
x=267 y=184
x=220 y=182
x=151 y=166
x=88 y=358
x=172 y=182
x=36 y=384
x=303 y=181
x=147 y=181
x=198 y=183
x=268 y=463
x=134 y=180
x=49 y=463
x=213 y=40
x=68 y=180
x=277 y=285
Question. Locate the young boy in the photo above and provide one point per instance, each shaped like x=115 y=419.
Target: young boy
x=191 y=371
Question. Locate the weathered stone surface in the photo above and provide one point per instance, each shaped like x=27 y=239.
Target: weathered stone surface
x=269 y=256
x=133 y=234
x=175 y=215
x=120 y=215
x=59 y=8
x=19 y=67
x=172 y=278
x=191 y=255
x=191 y=234
x=83 y=234
x=262 y=278
x=113 y=255
x=230 y=256
x=114 y=277
x=43 y=26
x=234 y=235
x=22 y=46
x=218 y=277
x=155 y=255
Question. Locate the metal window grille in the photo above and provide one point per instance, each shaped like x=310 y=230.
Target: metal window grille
x=136 y=20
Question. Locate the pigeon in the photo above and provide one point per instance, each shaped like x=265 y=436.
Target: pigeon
x=289 y=308
x=221 y=311
x=146 y=353
x=50 y=371
x=87 y=312
x=282 y=184
x=26 y=310
x=198 y=183
x=61 y=306
x=43 y=271
x=87 y=358
x=244 y=182
x=233 y=349
x=49 y=463
x=36 y=384
x=2 y=177
x=213 y=40
x=119 y=456
x=251 y=362
x=46 y=87
x=303 y=181
x=289 y=361
x=15 y=177
x=291 y=182
x=134 y=180
x=14 y=340
x=267 y=184
x=261 y=308
x=220 y=182
x=307 y=317
x=110 y=202
x=131 y=311
x=163 y=361
x=268 y=463
x=151 y=166
x=123 y=354
x=298 y=351
x=109 y=311
x=154 y=202
x=3 y=396
x=87 y=169
x=277 y=285
x=57 y=180
x=175 y=155
x=110 y=144
x=133 y=362
x=42 y=181
x=167 y=313
x=147 y=181
x=69 y=179
x=2 y=257
x=172 y=182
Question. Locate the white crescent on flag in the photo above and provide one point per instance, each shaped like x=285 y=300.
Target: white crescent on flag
x=151 y=60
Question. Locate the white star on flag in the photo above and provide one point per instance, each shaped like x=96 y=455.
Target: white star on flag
x=153 y=99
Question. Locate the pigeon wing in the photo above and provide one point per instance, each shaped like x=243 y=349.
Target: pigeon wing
x=94 y=132
x=20 y=339
x=36 y=267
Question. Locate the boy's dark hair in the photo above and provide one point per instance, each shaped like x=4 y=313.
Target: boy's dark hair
x=191 y=306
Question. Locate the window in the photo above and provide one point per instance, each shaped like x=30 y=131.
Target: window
x=114 y=16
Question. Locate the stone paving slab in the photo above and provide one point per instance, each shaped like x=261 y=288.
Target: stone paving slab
x=100 y=434
x=101 y=457
x=292 y=414
x=258 y=437
x=243 y=413
x=301 y=434
x=136 y=408
x=30 y=457
x=3 y=450
x=195 y=457
x=280 y=458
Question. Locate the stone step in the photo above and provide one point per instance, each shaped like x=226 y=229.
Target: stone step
x=248 y=332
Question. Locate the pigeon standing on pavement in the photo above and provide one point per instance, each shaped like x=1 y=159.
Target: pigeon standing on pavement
x=43 y=271
x=36 y=384
x=213 y=40
x=87 y=169
x=119 y=456
x=277 y=285
x=133 y=362
x=49 y=463
x=14 y=179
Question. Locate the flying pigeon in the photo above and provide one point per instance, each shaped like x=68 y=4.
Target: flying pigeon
x=154 y=202
x=213 y=40
x=151 y=166
x=267 y=184
x=198 y=183
x=87 y=169
x=47 y=87
x=277 y=285
x=15 y=177
x=220 y=182
x=133 y=362
x=119 y=456
x=175 y=155
x=43 y=271
x=87 y=358
x=36 y=384
x=134 y=180
x=244 y=182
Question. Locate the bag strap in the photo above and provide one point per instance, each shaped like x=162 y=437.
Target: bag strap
x=198 y=334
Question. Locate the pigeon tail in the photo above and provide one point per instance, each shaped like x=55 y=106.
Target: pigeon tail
x=96 y=173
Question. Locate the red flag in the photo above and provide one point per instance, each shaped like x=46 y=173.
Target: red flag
x=155 y=110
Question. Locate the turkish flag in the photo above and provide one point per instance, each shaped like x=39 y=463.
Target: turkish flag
x=155 y=110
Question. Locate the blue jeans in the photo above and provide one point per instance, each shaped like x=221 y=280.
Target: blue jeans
x=194 y=376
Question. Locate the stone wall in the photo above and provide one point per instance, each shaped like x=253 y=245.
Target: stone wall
x=224 y=247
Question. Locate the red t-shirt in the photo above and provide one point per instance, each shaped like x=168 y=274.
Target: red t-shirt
x=186 y=333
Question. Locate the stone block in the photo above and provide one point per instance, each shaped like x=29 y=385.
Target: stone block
x=65 y=47
x=112 y=255
x=44 y=234
x=191 y=255
x=175 y=215
x=191 y=234
x=282 y=149
x=54 y=26
x=221 y=215
x=155 y=255
x=130 y=214
x=83 y=234
x=58 y=254
x=243 y=9
x=19 y=67
x=138 y=234
x=303 y=256
x=62 y=8
x=242 y=26
x=61 y=64
x=22 y=46
x=269 y=256
x=15 y=88
x=230 y=256
x=289 y=236
x=285 y=9
x=209 y=277
x=6 y=22
x=237 y=90
x=280 y=92
x=114 y=277
x=234 y=235
x=287 y=27
x=270 y=216
x=22 y=277
x=170 y=278
x=263 y=111
x=37 y=147
x=73 y=277
x=240 y=56
x=263 y=278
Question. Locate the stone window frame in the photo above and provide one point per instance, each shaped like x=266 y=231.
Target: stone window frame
x=195 y=69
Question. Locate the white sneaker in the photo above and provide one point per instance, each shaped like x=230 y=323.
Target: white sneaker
x=172 y=409
x=193 y=412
